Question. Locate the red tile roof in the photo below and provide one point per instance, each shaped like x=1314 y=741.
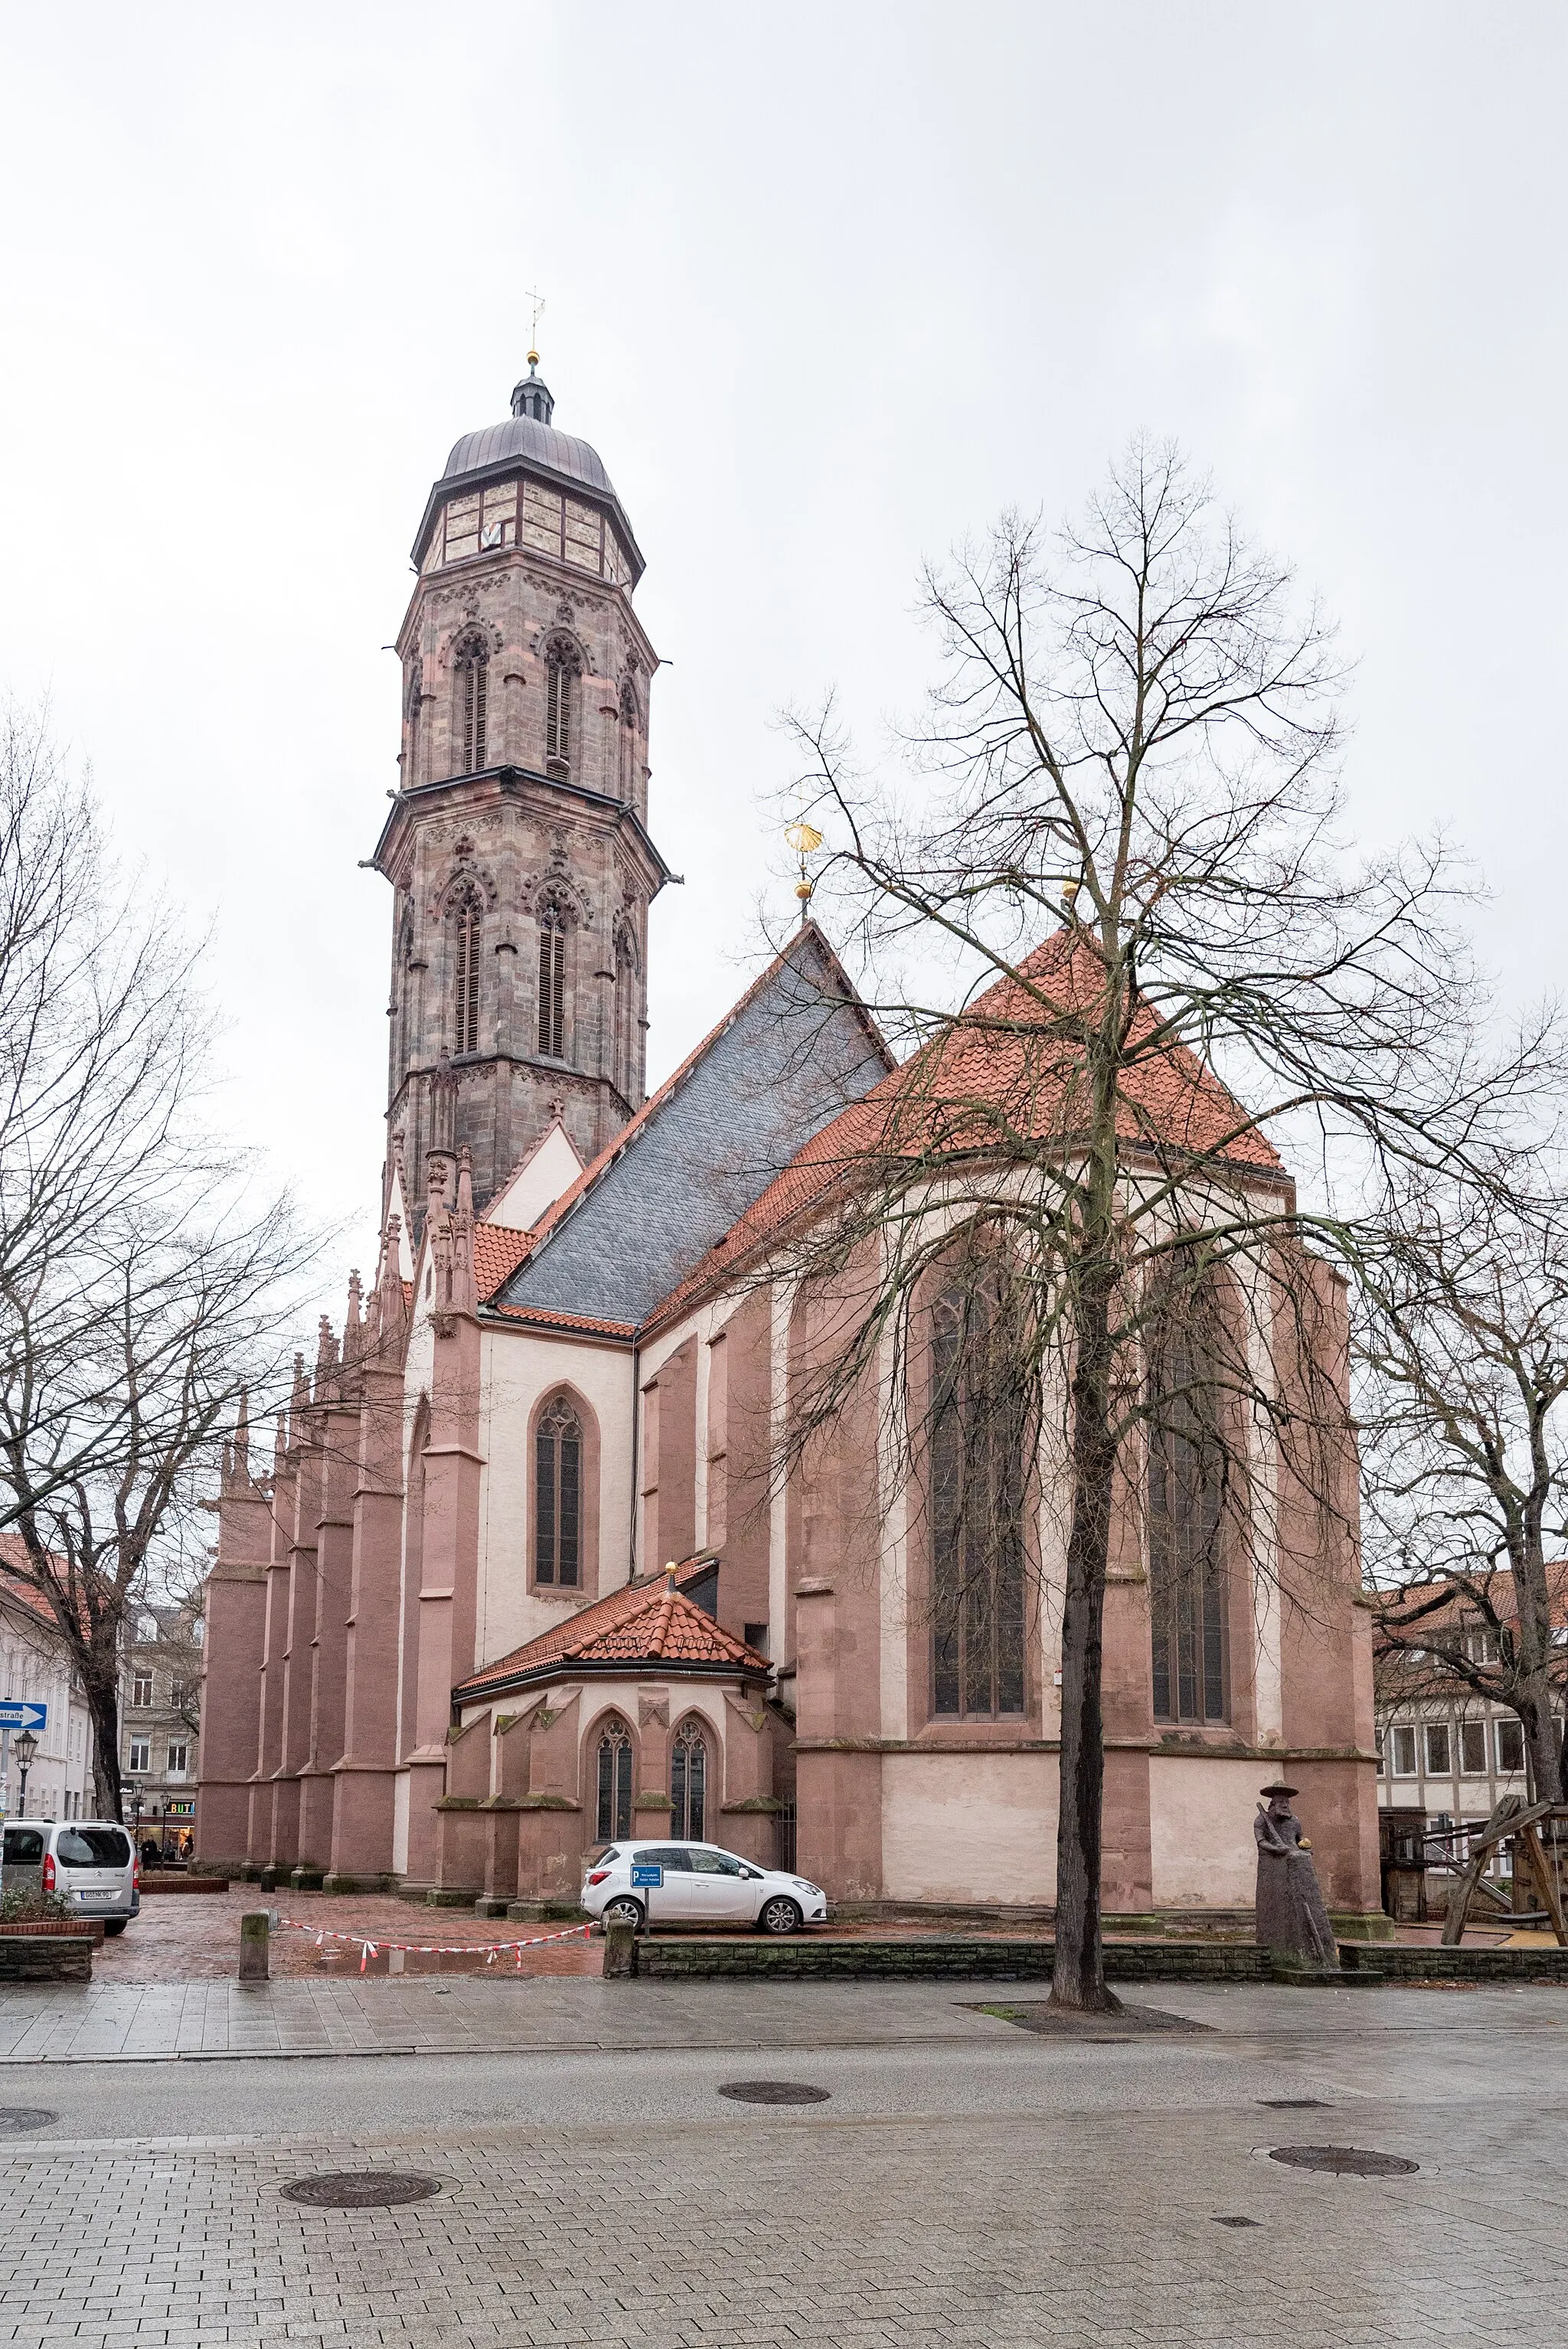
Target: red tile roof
x=497 y=1252
x=645 y=1622
x=545 y=1317
x=13 y=1566
x=1003 y=1072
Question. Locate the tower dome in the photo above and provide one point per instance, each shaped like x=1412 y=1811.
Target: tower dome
x=528 y=444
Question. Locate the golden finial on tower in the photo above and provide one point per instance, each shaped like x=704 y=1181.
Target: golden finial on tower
x=538 y=301
x=805 y=840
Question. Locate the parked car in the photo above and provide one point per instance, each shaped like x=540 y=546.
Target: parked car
x=89 y=1862
x=696 y=1884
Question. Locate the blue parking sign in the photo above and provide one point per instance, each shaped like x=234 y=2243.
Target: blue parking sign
x=648 y=1875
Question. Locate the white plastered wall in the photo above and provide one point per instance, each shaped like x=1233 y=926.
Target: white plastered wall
x=970 y=1826
x=1201 y=1811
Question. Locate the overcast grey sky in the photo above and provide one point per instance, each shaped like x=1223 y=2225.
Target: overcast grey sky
x=828 y=286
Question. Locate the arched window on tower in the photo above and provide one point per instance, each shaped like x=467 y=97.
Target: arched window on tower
x=1187 y=1458
x=615 y=1807
x=470 y=684
x=552 y=981
x=414 y=703
x=628 y=745
x=688 y=1784
x=975 y=1503
x=558 y=1497
x=625 y=1069
x=466 y=921
x=562 y=667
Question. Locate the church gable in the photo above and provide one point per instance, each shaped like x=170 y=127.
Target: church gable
x=796 y=1049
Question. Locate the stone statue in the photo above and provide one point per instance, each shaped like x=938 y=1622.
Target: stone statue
x=1291 y=1915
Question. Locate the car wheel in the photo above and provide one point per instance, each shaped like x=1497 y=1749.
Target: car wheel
x=780 y=1915
x=622 y=1912
x=116 y=1924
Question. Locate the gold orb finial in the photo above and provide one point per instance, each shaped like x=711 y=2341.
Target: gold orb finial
x=805 y=840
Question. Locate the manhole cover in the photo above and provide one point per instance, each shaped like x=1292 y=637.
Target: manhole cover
x=774 y=2092
x=16 y=2119
x=1293 y=2103
x=1238 y=2223
x=1344 y=2160
x=361 y=2190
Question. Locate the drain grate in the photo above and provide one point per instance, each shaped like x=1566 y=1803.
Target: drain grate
x=1344 y=2160
x=361 y=2190
x=1293 y=2103
x=774 y=2092
x=1237 y=2222
x=16 y=2119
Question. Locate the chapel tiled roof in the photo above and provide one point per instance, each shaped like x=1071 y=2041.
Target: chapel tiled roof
x=646 y=1622
x=1001 y=1072
x=497 y=1252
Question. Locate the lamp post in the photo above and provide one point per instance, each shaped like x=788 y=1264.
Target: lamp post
x=136 y=1812
x=25 y=1745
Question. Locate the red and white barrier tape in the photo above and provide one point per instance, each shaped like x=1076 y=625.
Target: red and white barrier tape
x=369 y=1949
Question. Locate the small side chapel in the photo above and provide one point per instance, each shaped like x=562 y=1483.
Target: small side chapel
x=517 y=1576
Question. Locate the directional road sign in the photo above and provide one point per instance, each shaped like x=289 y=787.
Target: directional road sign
x=22 y=1712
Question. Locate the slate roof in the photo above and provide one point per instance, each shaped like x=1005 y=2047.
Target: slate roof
x=1001 y=1072
x=776 y=1070
x=647 y=1623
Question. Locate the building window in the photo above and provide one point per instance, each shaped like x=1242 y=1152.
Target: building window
x=466 y=974
x=1510 y=1747
x=1438 y=1764
x=560 y=671
x=177 y=1696
x=411 y=763
x=553 y=982
x=628 y=744
x=976 y=1508
x=141 y=1689
x=1472 y=1748
x=178 y=1755
x=1481 y=1645
x=1404 y=1751
x=688 y=1784
x=558 y=1498
x=470 y=686
x=1186 y=1577
x=1382 y=1758
x=140 y=1755
x=615 y=1819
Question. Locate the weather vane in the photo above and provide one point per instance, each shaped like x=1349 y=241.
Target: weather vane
x=538 y=301
x=805 y=840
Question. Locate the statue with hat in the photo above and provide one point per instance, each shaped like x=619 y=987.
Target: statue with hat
x=1292 y=1917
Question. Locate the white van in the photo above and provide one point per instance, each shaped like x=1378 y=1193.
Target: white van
x=89 y=1862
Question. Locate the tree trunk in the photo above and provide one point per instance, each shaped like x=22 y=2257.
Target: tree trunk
x=101 y=1684
x=1078 y=1977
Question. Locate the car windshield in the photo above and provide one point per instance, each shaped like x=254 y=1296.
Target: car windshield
x=24 y=1847
x=93 y=1847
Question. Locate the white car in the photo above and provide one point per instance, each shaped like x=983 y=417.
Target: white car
x=696 y=1884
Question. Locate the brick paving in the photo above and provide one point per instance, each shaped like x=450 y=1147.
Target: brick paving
x=195 y=1937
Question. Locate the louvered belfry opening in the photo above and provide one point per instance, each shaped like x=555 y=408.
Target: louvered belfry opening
x=466 y=976
x=553 y=982
x=560 y=684
x=558 y=1497
x=473 y=696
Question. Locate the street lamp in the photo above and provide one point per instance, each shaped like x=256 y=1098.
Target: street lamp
x=25 y=1746
x=135 y=1811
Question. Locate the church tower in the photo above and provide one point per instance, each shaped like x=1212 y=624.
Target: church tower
x=517 y=845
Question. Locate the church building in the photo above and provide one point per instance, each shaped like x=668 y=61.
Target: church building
x=528 y=1567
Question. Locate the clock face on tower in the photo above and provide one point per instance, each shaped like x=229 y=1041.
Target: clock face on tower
x=517 y=844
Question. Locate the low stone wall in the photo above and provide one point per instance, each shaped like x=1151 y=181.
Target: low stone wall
x=51 y=1957
x=1404 y=1962
x=939 y=1958
x=170 y=1880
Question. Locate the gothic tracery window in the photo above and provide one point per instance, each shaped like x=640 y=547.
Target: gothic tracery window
x=470 y=684
x=1186 y=1494
x=558 y=1497
x=977 y=1483
x=551 y=981
x=688 y=1784
x=561 y=666
x=615 y=1807
x=465 y=916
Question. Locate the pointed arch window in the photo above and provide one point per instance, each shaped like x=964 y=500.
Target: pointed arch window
x=561 y=667
x=558 y=1497
x=614 y=1805
x=553 y=982
x=466 y=915
x=472 y=712
x=975 y=1507
x=1186 y=1508
x=416 y=698
x=688 y=1784
x=628 y=745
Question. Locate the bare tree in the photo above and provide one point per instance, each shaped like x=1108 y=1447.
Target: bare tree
x=1462 y=1329
x=1132 y=755
x=139 y=1289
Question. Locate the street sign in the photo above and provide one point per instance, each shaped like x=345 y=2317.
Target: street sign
x=647 y=1877
x=22 y=1712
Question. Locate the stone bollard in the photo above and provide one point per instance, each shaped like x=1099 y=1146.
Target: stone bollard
x=620 y=1952
x=256 y=1926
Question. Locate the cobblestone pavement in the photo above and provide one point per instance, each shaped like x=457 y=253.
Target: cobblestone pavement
x=185 y=1936
x=997 y=2190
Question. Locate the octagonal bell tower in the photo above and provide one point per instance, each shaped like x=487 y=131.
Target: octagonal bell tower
x=517 y=845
